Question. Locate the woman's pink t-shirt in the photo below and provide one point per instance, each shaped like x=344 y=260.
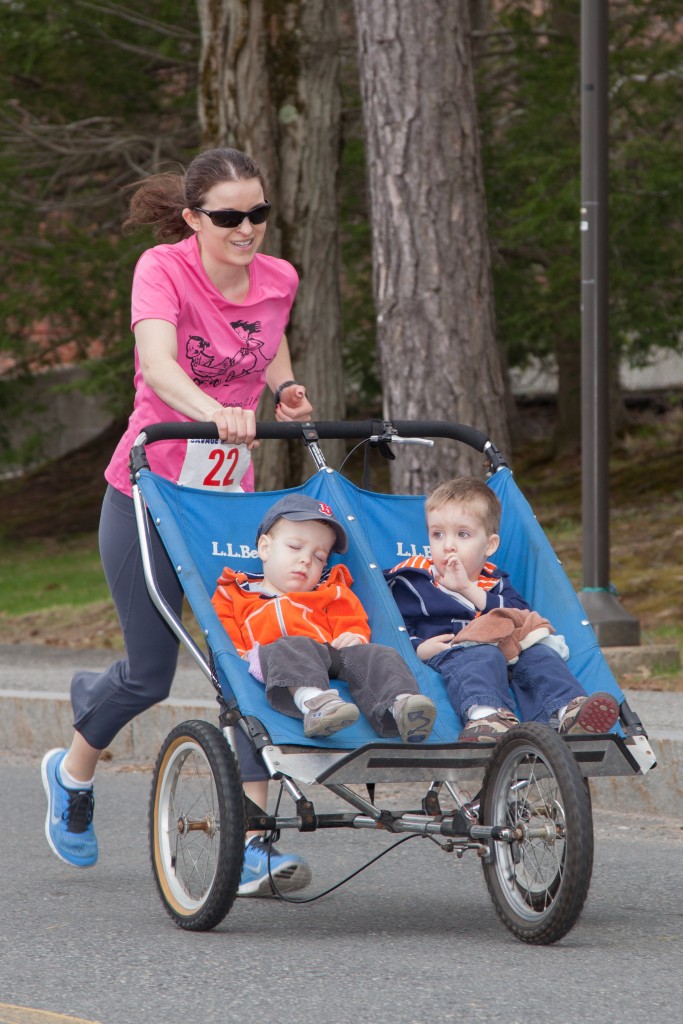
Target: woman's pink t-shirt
x=224 y=347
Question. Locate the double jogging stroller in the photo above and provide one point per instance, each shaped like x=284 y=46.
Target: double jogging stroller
x=529 y=820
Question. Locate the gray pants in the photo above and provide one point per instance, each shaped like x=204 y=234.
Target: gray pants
x=104 y=702
x=375 y=674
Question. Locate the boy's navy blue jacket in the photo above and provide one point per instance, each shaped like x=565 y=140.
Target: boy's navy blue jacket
x=428 y=610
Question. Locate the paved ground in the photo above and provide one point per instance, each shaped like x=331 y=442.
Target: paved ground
x=35 y=714
x=413 y=939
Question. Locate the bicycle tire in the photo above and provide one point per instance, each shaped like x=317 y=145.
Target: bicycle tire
x=197 y=825
x=538 y=884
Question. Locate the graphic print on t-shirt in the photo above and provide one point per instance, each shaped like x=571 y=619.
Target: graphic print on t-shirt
x=247 y=360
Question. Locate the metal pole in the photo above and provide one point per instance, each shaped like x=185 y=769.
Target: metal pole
x=613 y=626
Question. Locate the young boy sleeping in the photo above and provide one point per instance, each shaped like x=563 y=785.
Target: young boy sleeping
x=299 y=625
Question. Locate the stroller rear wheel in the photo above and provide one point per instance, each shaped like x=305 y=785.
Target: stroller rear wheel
x=196 y=825
x=539 y=881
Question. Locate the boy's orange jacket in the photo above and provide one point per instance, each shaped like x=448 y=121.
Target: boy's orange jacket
x=323 y=614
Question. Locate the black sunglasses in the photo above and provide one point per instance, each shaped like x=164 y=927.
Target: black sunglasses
x=233 y=218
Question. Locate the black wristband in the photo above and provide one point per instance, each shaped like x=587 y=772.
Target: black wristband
x=277 y=394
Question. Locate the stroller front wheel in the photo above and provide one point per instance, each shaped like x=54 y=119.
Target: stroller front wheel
x=196 y=825
x=540 y=880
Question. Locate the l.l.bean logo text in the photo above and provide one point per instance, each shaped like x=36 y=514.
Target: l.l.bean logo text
x=230 y=550
x=227 y=549
x=411 y=550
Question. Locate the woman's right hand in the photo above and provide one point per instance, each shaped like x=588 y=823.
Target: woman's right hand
x=236 y=425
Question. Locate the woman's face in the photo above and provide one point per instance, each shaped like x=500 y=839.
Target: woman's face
x=232 y=246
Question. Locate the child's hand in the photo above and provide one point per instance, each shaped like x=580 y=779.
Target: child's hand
x=454 y=576
x=435 y=645
x=347 y=640
x=252 y=657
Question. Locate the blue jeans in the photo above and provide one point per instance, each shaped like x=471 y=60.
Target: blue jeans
x=535 y=687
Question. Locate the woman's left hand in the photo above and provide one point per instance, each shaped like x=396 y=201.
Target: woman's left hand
x=294 y=405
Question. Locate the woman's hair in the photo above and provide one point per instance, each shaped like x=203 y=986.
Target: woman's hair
x=473 y=495
x=161 y=198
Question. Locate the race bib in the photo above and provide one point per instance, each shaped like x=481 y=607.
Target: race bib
x=214 y=466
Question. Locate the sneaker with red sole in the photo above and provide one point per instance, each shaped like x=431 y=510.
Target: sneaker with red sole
x=593 y=715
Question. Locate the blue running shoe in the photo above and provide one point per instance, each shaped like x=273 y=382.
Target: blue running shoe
x=68 y=825
x=288 y=870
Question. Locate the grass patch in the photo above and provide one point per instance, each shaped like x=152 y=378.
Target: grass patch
x=38 y=575
x=669 y=633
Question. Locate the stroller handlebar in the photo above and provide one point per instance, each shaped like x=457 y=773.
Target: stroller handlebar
x=325 y=429
x=376 y=431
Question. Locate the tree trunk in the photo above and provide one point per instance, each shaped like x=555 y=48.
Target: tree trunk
x=432 y=280
x=269 y=85
x=480 y=15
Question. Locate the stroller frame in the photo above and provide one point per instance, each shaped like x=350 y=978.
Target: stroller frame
x=530 y=821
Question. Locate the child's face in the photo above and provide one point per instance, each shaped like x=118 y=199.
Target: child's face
x=458 y=532
x=294 y=554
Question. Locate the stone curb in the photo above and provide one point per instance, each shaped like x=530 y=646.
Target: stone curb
x=35 y=722
x=646 y=659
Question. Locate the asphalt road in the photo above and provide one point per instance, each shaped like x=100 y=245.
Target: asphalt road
x=412 y=939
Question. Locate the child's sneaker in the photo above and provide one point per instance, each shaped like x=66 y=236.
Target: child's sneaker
x=68 y=825
x=415 y=716
x=289 y=871
x=492 y=727
x=594 y=714
x=327 y=714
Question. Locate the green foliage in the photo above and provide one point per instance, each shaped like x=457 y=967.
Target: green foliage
x=528 y=81
x=92 y=96
x=646 y=208
x=64 y=57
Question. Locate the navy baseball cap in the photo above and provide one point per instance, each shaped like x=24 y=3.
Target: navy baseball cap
x=301 y=508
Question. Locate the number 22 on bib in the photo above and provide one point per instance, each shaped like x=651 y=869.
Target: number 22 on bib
x=214 y=467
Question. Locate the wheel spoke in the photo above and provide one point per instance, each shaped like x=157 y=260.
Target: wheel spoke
x=192 y=797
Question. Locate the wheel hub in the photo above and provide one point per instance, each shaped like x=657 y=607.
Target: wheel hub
x=207 y=825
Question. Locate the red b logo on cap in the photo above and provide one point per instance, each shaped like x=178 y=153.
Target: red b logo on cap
x=325 y=509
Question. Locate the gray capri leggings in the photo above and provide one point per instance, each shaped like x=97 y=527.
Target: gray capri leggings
x=104 y=702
